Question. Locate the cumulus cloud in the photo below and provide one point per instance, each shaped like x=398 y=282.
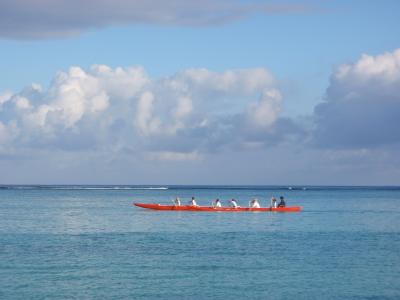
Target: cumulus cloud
x=5 y=97
x=265 y=112
x=361 y=108
x=144 y=121
x=124 y=110
x=48 y=18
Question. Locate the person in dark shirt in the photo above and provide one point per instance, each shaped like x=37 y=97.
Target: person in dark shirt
x=282 y=203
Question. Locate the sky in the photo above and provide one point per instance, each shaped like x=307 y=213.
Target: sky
x=200 y=92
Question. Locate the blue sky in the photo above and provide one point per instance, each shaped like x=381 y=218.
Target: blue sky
x=301 y=47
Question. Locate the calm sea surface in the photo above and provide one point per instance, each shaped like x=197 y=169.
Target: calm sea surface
x=74 y=242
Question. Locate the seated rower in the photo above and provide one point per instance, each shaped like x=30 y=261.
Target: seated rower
x=254 y=203
x=216 y=203
x=234 y=203
x=282 y=203
x=274 y=204
x=177 y=201
x=192 y=202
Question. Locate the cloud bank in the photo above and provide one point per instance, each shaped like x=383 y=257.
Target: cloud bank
x=224 y=127
x=199 y=111
x=124 y=110
x=49 y=19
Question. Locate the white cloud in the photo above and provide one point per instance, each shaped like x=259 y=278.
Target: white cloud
x=22 y=102
x=189 y=112
x=184 y=107
x=6 y=96
x=120 y=83
x=235 y=82
x=144 y=121
x=384 y=66
x=266 y=111
x=71 y=96
x=362 y=104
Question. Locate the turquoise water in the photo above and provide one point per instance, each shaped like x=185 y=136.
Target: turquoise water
x=91 y=243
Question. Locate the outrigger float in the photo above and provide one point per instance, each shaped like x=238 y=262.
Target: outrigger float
x=216 y=209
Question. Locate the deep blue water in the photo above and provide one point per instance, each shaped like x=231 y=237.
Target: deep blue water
x=74 y=242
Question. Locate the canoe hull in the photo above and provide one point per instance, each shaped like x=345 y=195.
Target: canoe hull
x=216 y=209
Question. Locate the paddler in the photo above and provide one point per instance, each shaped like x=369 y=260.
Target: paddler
x=234 y=203
x=177 y=201
x=217 y=203
x=254 y=203
x=192 y=202
x=273 y=202
x=282 y=203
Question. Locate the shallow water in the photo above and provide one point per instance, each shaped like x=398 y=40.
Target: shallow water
x=90 y=242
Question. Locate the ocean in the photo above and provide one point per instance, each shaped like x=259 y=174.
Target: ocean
x=90 y=242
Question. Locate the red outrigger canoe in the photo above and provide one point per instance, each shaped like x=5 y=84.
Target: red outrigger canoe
x=215 y=209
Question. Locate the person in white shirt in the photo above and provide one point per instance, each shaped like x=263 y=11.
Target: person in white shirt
x=217 y=203
x=177 y=201
x=192 y=202
x=234 y=203
x=254 y=203
x=274 y=204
